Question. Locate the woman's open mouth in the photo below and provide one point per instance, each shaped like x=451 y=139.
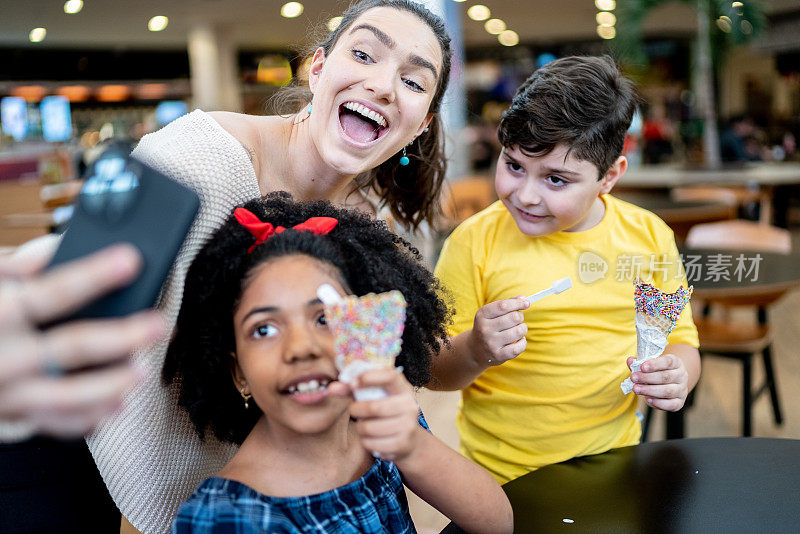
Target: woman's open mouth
x=360 y=124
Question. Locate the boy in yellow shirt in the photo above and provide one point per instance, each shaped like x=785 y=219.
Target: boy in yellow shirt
x=541 y=383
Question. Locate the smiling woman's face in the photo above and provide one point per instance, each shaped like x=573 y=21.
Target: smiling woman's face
x=372 y=93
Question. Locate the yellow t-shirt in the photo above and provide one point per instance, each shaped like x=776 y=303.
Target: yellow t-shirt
x=561 y=397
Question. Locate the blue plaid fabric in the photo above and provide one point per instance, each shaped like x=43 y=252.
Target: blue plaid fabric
x=375 y=503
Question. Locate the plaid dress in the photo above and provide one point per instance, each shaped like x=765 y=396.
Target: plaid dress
x=375 y=503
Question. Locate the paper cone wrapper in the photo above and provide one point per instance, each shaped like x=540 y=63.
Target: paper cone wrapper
x=656 y=315
x=368 y=332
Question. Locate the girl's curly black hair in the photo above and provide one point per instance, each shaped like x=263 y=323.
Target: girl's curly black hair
x=370 y=258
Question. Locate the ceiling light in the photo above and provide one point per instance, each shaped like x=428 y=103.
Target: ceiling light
x=157 y=23
x=291 y=10
x=113 y=93
x=73 y=6
x=604 y=18
x=606 y=32
x=37 y=35
x=495 y=26
x=605 y=5
x=459 y=1
x=724 y=24
x=737 y=4
x=31 y=93
x=508 y=38
x=74 y=93
x=334 y=23
x=478 y=12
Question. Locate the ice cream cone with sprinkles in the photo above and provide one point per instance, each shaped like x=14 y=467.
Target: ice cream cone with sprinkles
x=656 y=315
x=368 y=334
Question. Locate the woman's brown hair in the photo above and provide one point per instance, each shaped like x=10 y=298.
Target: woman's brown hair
x=409 y=191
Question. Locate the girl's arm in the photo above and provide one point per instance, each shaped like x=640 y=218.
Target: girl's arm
x=458 y=488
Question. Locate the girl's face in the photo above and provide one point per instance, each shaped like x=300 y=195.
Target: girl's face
x=373 y=91
x=284 y=349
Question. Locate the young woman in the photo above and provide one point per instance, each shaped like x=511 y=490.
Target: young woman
x=375 y=88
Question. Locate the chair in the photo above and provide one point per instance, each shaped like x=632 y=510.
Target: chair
x=742 y=341
x=735 y=196
x=466 y=197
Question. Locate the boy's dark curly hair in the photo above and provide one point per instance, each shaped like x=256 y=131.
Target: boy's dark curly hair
x=582 y=101
x=370 y=258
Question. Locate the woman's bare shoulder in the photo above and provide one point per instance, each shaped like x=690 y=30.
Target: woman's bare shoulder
x=242 y=127
x=249 y=130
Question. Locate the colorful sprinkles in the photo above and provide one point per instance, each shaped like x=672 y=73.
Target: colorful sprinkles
x=654 y=302
x=368 y=328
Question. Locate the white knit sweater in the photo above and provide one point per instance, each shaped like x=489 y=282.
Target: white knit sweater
x=148 y=453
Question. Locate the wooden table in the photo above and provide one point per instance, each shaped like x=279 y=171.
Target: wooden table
x=673 y=175
x=680 y=216
x=762 y=178
x=687 y=486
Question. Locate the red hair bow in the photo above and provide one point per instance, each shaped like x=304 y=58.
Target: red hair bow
x=264 y=230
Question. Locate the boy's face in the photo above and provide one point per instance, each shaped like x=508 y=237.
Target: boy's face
x=553 y=193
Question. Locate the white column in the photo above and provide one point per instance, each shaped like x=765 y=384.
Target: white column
x=454 y=103
x=214 y=69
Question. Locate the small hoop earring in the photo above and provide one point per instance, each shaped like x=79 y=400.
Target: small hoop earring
x=307 y=115
x=404 y=159
x=246 y=398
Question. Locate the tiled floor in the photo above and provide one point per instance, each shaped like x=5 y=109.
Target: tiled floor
x=717 y=408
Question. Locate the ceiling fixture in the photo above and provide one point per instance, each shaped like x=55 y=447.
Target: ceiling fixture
x=73 y=6
x=604 y=18
x=606 y=32
x=479 y=12
x=495 y=26
x=334 y=23
x=291 y=10
x=37 y=35
x=508 y=38
x=157 y=23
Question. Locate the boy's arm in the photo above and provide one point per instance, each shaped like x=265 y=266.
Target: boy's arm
x=497 y=336
x=455 y=367
x=482 y=334
x=690 y=357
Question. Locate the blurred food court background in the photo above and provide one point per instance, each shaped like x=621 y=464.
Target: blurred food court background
x=716 y=138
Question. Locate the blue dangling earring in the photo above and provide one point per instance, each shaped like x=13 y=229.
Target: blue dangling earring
x=404 y=159
x=309 y=108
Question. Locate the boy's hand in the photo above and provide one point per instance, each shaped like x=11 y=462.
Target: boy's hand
x=664 y=381
x=388 y=427
x=498 y=333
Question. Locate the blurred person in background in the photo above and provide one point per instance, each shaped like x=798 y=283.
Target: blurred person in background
x=657 y=133
x=739 y=141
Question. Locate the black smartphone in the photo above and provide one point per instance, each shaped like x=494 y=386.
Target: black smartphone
x=124 y=200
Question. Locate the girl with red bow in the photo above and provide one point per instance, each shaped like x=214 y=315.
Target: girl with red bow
x=253 y=361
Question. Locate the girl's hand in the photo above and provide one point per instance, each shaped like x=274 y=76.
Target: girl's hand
x=388 y=427
x=498 y=332
x=664 y=381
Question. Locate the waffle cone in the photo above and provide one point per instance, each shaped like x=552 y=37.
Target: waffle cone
x=665 y=324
